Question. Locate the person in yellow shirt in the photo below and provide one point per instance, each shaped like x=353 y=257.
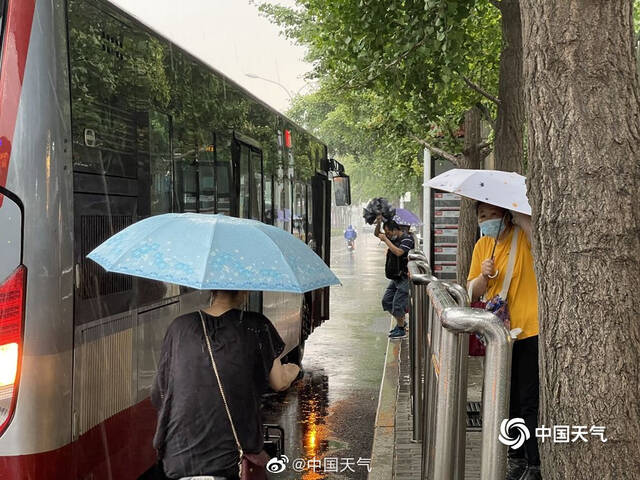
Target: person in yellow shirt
x=486 y=277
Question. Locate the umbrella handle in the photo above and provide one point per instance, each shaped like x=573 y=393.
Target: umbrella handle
x=494 y=275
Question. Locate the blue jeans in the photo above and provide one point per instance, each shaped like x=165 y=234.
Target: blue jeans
x=396 y=297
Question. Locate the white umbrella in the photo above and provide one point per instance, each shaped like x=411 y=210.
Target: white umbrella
x=504 y=189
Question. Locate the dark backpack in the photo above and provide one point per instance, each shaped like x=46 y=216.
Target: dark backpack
x=396 y=266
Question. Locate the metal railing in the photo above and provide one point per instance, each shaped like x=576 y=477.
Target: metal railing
x=440 y=323
x=421 y=275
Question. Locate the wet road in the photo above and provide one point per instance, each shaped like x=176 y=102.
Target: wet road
x=330 y=413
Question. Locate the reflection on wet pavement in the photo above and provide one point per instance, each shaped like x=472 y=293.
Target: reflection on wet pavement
x=328 y=416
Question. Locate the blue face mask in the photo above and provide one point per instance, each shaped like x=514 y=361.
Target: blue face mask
x=492 y=228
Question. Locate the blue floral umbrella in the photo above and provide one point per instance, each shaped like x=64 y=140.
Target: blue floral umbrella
x=214 y=252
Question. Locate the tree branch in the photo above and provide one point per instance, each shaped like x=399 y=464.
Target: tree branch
x=441 y=153
x=480 y=90
x=384 y=68
x=477 y=146
x=487 y=116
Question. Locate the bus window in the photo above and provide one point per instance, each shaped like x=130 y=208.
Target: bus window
x=303 y=211
x=256 y=186
x=103 y=118
x=223 y=182
x=278 y=200
x=286 y=202
x=268 y=199
x=186 y=169
x=310 y=234
x=206 y=179
x=243 y=211
x=160 y=171
x=299 y=211
x=186 y=180
x=223 y=175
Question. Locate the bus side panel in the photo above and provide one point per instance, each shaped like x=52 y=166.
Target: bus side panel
x=96 y=454
x=284 y=311
x=40 y=174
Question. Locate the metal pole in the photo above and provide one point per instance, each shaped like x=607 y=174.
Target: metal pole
x=461 y=441
x=413 y=362
x=497 y=380
x=426 y=204
x=429 y=400
x=448 y=397
x=447 y=407
x=418 y=332
x=416 y=345
x=417 y=255
x=461 y=296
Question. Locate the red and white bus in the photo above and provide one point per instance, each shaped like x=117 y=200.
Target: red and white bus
x=104 y=122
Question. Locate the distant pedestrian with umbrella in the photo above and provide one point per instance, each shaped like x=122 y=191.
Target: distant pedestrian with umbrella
x=406 y=217
x=502 y=275
x=350 y=235
x=216 y=362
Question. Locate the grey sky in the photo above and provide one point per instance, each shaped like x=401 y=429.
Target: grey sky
x=231 y=36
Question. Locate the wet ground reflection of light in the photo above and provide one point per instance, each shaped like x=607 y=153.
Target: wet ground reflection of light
x=313 y=408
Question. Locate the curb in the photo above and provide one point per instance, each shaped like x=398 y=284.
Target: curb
x=384 y=427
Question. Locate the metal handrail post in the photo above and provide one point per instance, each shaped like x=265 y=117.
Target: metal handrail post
x=461 y=296
x=428 y=410
x=447 y=407
x=417 y=332
x=436 y=366
x=497 y=374
x=417 y=255
x=448 y=397
x=412 y=344
x=419 y=281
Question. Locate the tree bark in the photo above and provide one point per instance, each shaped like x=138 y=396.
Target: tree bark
x=581 y=91
x=510 y=120
x=467 y=221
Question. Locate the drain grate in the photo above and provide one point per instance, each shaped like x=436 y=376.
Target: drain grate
x=474 y=415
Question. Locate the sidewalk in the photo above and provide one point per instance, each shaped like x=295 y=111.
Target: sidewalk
x=394 y=455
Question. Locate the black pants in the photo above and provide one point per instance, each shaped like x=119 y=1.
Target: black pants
x=525 y=390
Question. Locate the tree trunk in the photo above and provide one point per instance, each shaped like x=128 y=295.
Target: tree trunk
x=584 y=183
x=509 y=153
x=467 y=222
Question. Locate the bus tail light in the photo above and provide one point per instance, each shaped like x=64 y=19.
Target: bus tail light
x=12 y=298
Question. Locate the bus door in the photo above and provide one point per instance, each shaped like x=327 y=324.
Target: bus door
x=321 y=198
x=248 y=161
x=249 y=185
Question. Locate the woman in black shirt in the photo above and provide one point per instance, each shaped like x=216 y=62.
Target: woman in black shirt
x=193 y=435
